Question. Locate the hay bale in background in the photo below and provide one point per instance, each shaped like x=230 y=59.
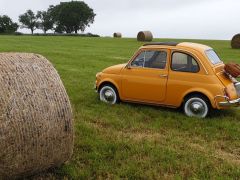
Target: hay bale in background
x=117 y=35
x=144 y=36
x=235 y=43
x=36 y=126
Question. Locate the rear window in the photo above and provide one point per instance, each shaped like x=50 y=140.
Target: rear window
x=213 y=57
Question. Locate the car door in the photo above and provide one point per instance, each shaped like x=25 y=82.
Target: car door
x=145 y=77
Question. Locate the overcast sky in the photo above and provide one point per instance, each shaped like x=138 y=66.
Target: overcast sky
x=195 y=19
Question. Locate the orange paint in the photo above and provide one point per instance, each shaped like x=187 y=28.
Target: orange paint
x=169 y=86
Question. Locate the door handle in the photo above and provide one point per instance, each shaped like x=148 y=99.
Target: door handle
x=163 y=75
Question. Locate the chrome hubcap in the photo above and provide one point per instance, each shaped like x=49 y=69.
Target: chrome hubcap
x=196 y=107
x=109 y=95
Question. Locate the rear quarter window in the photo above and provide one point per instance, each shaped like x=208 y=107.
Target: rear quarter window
x=213 y=57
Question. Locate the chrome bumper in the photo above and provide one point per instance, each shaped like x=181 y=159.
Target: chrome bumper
x=228 y=103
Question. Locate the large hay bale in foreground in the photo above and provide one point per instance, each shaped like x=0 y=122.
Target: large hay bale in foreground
x=36 y=126
x=144 y=36
x=117 y=35
x=235 y=43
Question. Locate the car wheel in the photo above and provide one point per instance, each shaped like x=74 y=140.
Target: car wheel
x=109 y=94
x=196 y=106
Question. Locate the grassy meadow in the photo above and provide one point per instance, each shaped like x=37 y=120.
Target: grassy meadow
x=130 y=141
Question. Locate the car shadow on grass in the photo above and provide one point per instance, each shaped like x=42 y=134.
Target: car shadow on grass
x=214 y=114
x=221 y=114
x=153 y=107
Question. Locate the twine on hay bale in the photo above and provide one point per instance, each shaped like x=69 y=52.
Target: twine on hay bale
x=144 y=36
x=117 y=35
x=235 y=43
x=36 y=126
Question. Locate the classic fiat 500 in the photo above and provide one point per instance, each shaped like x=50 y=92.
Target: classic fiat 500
x=187 y=75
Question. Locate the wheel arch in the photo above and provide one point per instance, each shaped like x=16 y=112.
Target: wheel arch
x=110 y=82
x=203 y=93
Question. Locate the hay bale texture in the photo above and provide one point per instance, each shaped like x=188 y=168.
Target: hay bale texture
x=36 y=126
x=145 y=36
x=117 y=35
x=235 y=43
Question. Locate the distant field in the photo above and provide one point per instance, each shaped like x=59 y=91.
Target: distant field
x=128 y=140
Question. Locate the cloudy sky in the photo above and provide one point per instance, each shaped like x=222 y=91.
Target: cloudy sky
x=195 y=19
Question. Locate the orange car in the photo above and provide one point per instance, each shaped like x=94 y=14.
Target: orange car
x=171 y=74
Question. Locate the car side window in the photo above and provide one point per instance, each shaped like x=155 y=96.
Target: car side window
x=151 y=59
x=139 y=60
x=155 y=59
x=184 y=63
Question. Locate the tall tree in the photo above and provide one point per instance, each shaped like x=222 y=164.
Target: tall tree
x=29 y=20
x=7 y=25
x=73 y=16
x=46 y=20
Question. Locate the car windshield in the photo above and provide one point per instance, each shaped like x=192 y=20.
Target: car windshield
x=213 y=57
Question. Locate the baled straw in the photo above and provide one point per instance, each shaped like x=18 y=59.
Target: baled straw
x=36 y=126
x=144 y=36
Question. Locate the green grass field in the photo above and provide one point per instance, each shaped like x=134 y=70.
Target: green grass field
x=128 y=140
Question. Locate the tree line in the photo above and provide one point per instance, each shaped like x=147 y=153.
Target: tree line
x=66 y=17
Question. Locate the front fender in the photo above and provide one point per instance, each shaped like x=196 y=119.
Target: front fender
x=115 y=80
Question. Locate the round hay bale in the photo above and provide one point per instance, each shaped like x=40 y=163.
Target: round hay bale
x=144 y=36
x=235 y=43
x=36 y=126
x=117 y=35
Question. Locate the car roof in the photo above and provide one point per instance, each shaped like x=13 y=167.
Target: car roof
x=186 y=45
x=162 y=43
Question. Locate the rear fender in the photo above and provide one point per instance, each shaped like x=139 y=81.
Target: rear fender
x=205 y=92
